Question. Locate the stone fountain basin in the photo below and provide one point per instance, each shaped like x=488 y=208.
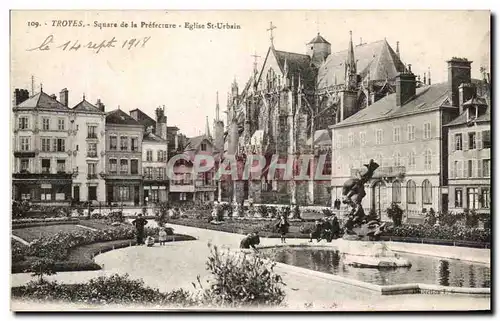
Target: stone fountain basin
x=370 y=254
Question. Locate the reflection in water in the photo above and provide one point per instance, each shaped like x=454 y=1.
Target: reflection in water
x=444 y=273
x=424 y=269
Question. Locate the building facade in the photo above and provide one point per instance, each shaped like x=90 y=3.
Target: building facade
x=88 y=143
x=42 y=164
x=293 y=99
x=469 y=161
x=123 y=159
x=189 y=186
x=405 y=134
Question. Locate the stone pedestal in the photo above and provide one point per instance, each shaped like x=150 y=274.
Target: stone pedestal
x=369 y=254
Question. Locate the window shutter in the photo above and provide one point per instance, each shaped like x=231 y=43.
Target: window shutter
x=465 y=141
x=54 y=146
x=465 y=165
x=452 y=143
x=479 y=168
x=474 y=170
x=479 y=140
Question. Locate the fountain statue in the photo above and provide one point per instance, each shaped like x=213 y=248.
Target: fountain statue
x=361 y=244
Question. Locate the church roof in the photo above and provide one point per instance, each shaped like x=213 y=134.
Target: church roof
x=297 y=64
x=377 y=59
x=426 y=99
x=85 y=106
x=119 y=117
x=321 y=137
x=42 y=101
x=318 y=39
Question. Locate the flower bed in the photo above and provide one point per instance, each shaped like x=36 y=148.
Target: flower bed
x=454 y=233
x=38 y=220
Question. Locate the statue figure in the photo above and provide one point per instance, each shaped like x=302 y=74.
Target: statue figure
x=353 y=192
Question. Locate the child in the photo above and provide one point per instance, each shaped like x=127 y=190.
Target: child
x=150 y=241
x=162 y=236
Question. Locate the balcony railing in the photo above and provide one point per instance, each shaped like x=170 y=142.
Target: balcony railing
x=91 y=154
x=92 y=176
x=92 y=136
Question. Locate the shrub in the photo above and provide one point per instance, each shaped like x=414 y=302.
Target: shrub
x=471 y=218
x=395 y=213
x=430 y=218
x=307 y=228
x=264 y=211
x=449 y=218
x=41 y=267
x=219 y=213
x=285 y=210
x=273 y=211
x=241 y=280
x=116 y=216
x=456 y=233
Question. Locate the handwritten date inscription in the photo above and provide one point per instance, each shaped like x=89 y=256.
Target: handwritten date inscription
x=96 y=46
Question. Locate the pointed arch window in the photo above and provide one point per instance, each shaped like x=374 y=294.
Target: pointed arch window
x=396 y=192
x=426 y=192
x=271 y=79
x=411 y=192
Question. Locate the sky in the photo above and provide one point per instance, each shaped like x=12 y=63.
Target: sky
x=183 y=69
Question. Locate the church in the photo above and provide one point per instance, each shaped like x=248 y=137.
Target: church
x=286 y=107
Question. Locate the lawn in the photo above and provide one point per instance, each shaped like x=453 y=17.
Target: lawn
x=32 y=233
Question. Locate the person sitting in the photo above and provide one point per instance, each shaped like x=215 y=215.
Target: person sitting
x=150 y=241
x=326 y=232
x=250 y=241
x=316 y=233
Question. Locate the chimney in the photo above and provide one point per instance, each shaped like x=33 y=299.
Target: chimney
x=63 y=97
x=53 y=96
x=459 y=72
x=406 y=87
x=465 y=92
x=20 y=95
x=100 y=105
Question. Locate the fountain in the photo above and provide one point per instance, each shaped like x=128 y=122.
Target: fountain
x=361 y=245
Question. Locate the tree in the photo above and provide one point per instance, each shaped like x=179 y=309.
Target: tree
x=41 y=267
x=395 y=213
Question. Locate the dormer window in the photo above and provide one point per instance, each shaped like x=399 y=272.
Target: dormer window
x=203 y=147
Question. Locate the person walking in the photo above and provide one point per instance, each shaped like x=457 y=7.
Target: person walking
x=139 y=224
x=162 y=236
x=282 y=227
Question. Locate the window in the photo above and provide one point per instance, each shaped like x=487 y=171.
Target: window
x=472 y=140
x=25 y=165
x=154 y=197
x=76 y=147
x=458 y=197
x=45 y=144
x=350 y=139
x=362 y=138
x=469 y=168
x=134 y=145
x=134 y=166
x=182 y=196
x=378 y=137
x=396 y=134
x=123 y=193
x=61 y=145
x=60 y=124
x=123 y=166
x=396 y=192
x=123 y=143
x=149 y=156
x=411 y=192
x=458 y=141
x=486 y=167
x=92 y=150
x=46 y=123
x=148 y=172
x=92 y=193
x=486 y=138
x=203 y=147
x=397 y=159
x=23 y=123
x=428 y=159
x=25 y=144
x=91 y=131
x=485 y=197
x=46 y=166
x=61 y=165
x=91 y=169
x=161 y=173
x=427 y=130
x=411 y=159
x=411 y=132
x=459 y=169
x=112 y=166
x=159 y=156
x=472 y=198
x=426 y=192
x=113 y=142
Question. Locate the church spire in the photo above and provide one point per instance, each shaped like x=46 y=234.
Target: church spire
x=207 y=128
x=351 y=74
x=217 y=107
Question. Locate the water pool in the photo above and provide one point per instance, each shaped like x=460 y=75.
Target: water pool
x=424 y=269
